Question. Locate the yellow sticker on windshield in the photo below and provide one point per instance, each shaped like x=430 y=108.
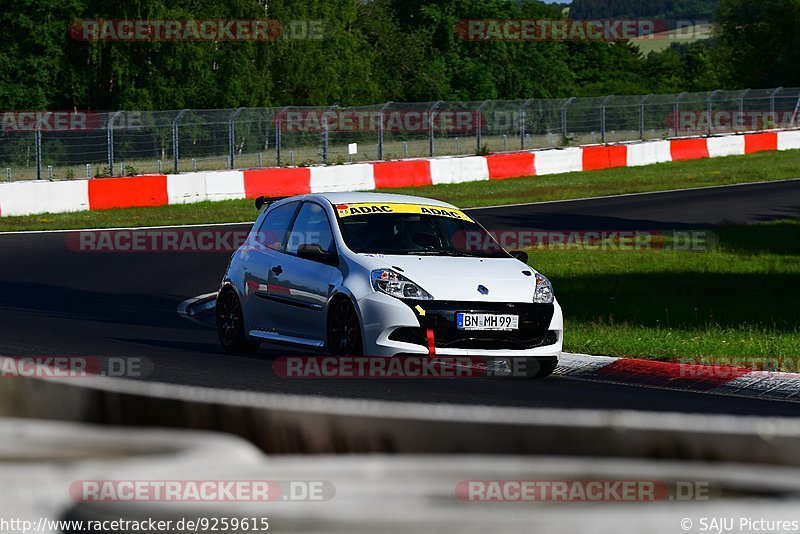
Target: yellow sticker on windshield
x=370 y=208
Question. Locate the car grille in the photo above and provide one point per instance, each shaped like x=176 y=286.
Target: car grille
x=441 y=317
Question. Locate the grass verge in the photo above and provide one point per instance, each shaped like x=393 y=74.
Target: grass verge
x=767 y=166
x=735 y=304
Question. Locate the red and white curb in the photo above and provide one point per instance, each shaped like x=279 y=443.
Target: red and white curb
x=716 y=379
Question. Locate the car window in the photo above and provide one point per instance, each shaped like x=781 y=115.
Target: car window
x=404 y=234
x=310 y=228
x=277 y=221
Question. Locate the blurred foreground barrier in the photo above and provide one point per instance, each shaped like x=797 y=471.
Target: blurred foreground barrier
x=295 y=424
x=52 y=471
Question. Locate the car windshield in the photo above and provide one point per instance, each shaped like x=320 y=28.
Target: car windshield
x=418 y=234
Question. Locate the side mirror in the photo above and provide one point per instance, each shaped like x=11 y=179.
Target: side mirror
x=260 y=201
x=314 y=252
x=521 y=255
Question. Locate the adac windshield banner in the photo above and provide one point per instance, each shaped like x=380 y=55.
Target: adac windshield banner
x=371 y=208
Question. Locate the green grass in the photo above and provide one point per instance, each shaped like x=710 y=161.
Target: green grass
x=733 y=304
x=719 y=171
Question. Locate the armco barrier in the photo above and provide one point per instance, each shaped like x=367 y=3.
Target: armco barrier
x=600 y=157
x=187 y=188
x=731 y=145
x=459 y=170
x=356 y=177
x=77 y=472
x=641 y=154
x=789 y=140
x=140 y=191
x=226 y=185
x=25 y=198
x=408 y=173
x=295 y=424
x=685 y=149
x=760 y=142
x=559 y=161
x=514 y=165
x=277 y=182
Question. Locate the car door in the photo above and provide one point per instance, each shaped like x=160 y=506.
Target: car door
x=267 y=241
x=299 y=287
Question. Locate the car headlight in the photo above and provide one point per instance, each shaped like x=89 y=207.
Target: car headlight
x=396 y=285
x=544 y=291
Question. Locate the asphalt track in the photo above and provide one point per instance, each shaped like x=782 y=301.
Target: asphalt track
x=57 y=302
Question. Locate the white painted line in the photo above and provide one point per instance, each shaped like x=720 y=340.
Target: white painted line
x=23 y=232
x=629 y=194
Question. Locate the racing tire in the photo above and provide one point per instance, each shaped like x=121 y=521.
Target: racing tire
x=230 y=325
x=344 y=330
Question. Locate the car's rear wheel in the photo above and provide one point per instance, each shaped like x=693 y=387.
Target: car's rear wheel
x=230 y=325
x=344 y=330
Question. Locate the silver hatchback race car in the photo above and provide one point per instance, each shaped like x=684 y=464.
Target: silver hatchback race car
x=371 y=274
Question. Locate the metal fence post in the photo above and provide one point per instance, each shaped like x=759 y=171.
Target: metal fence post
x=522 y=119
x=278 y=130
x=431 y=147
x=741 y=103
x=772 y=97
x=479 y=126
x=38 y=149
x=641 y=116
x=603 y=119
x=564 y=132
x=710 y=106
x=326 y=136
x=232 y=138
x=175 y=149
x=677 y=110
x=110 y=141
x=381 y=128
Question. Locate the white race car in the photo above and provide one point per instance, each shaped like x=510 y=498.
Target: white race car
x=370 y=274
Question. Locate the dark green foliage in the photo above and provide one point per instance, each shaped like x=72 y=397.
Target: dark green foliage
x=374 y=51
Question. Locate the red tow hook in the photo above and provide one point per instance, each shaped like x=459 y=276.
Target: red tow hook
x=431 y=343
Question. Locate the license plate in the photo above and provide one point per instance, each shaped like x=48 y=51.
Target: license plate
x=485 y=321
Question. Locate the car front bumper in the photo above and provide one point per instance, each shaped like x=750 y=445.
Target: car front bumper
x=391 y=326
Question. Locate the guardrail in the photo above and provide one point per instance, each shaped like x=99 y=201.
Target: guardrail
x=744 y=466
x=32 y=197
x=66 y=462
x=69 y=145
x=289 y=424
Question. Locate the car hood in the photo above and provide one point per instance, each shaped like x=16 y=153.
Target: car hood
x=448 y=278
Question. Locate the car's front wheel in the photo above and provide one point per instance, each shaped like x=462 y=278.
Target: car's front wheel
x=344 y=330
x=230 y=325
